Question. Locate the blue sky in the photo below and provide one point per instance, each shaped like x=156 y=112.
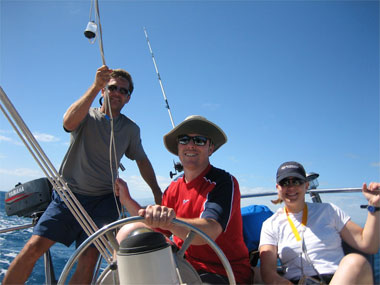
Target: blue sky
x=286 y=80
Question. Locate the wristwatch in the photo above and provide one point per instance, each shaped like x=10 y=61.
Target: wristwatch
x=370 y=208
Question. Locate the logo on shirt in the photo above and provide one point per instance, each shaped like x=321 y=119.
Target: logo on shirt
x=185 y=201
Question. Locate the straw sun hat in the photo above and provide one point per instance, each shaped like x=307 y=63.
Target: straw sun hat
x=195 y=125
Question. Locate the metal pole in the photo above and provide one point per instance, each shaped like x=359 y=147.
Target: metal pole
x=16 y=228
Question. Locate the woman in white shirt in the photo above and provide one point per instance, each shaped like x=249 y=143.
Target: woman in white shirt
x=307 y=237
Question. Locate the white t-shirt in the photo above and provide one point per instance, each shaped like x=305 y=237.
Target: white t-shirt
x=321 y=236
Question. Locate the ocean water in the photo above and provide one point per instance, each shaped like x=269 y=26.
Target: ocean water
x=12 y=242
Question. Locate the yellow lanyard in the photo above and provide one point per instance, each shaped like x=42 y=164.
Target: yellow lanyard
x=304 y=222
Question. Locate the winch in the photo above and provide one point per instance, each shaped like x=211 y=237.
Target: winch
x=146 y=258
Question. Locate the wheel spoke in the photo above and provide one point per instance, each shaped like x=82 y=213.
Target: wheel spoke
x=187 y=242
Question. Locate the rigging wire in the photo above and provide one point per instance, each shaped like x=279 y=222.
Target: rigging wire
x=53 y=176
x=97 y=17
x=91 y=6
x=112 y=145
x=59 y=184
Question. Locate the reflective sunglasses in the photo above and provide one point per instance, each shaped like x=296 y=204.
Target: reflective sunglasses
x=291 y=182
x=197 y=140
x=122 y=90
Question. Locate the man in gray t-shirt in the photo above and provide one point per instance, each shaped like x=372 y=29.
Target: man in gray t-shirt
x=87 y=170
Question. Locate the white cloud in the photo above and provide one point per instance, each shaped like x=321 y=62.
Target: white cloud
x=45 y=137
x=6 y=131
x=10 y=177
x=163 y=182
x=40 y=137
x=3 y=138
x=137 y=186
x=264 y=200
x=10 y=139
x=375 y=164
x=247 y=190
x=20 y=172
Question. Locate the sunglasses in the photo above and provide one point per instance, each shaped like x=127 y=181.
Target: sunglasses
x=291 y=182
x=122 y=90
x=197 y=140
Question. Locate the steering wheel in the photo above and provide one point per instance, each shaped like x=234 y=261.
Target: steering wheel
x=103 y=231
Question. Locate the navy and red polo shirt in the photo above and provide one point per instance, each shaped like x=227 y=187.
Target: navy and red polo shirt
x=213 y=194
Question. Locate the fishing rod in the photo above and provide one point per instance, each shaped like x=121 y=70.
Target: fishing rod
x=159 y=78
x=177 y=165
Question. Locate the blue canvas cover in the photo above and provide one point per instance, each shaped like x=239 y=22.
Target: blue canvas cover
x=253 y=218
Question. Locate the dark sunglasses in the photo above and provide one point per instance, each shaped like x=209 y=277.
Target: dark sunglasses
x=197 y=140
x=122 y=90
x=291 y=182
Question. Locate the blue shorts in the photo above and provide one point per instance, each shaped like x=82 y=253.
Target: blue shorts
x=58 y=224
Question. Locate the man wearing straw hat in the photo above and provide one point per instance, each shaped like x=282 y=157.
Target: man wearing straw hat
x=204 y=196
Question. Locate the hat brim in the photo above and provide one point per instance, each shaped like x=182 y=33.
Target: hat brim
x=195 y=125
x=291 y=174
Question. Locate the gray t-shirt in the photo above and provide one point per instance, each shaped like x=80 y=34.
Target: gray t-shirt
x=86 y=165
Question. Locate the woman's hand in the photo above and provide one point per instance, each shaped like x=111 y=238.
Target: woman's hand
x=372 y=193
